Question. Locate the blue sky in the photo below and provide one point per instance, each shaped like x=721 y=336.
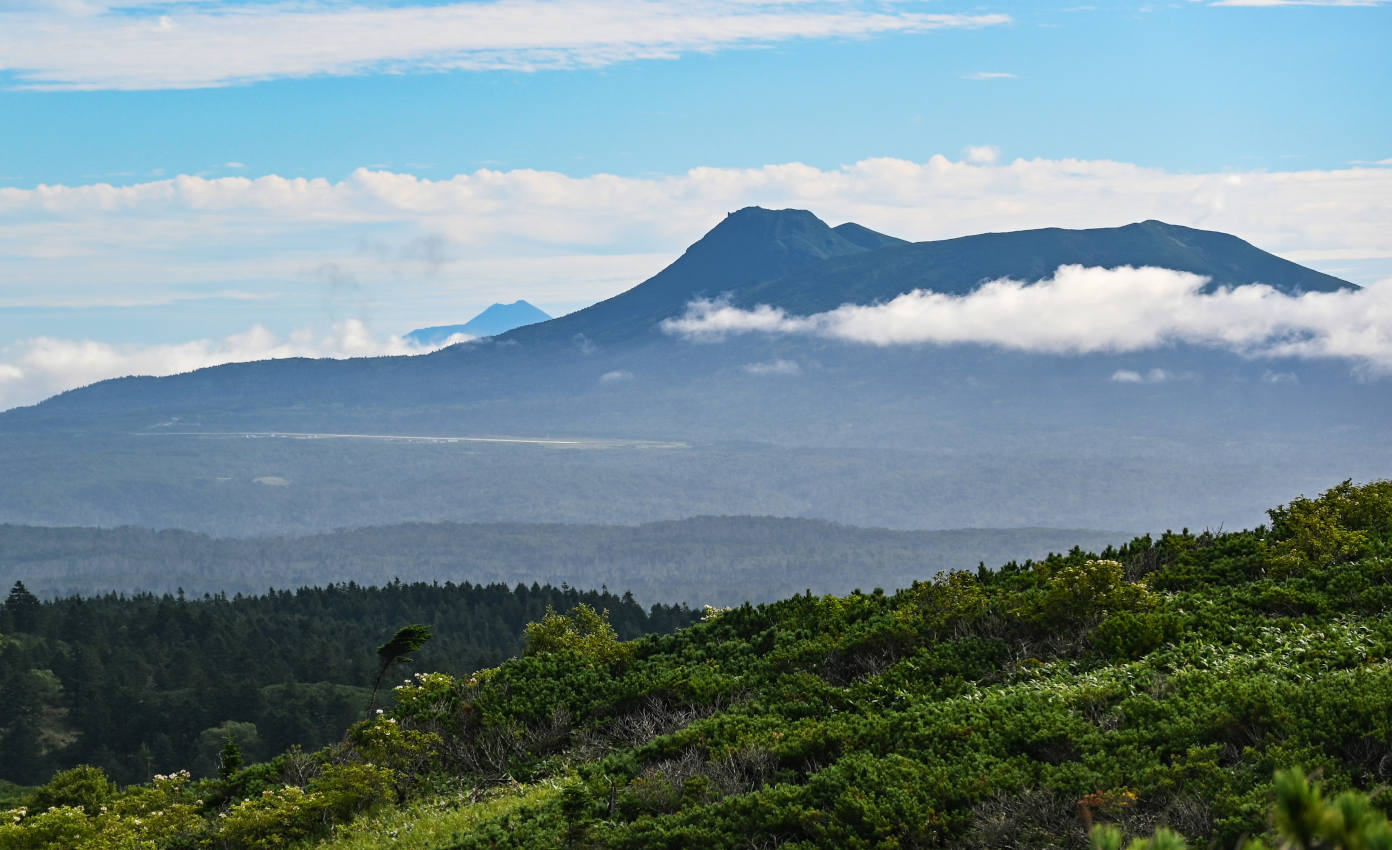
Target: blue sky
x=1185 y=86
x=193 y=181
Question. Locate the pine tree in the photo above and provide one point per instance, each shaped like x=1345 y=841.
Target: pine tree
x=22 y=608
x=398 y=650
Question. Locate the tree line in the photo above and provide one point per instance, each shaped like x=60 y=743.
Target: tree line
x=148 y=683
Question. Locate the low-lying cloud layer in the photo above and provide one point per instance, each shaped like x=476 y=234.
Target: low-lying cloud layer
x=1089 y=310
x=33 y=369
x=88 y=44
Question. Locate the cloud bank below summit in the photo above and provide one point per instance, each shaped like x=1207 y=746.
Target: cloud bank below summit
x=1083 y=310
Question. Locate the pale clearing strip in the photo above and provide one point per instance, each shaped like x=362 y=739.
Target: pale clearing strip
x=415 y=438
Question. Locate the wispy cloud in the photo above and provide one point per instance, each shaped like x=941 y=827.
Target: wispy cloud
x=1299 y=2
x=1150 y=376
x=990 y=75
x=1088 y=310
x=773 y=367
x=81 y=45
x=33 y=369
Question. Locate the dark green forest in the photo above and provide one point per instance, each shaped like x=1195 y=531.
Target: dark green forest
x=1175 y=691
x=147 y=684
x=703 y=560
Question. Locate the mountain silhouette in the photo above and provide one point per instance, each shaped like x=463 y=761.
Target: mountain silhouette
x=786 y=258
x=498 y=318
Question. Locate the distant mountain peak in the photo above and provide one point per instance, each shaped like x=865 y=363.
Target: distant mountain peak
x=497 y=319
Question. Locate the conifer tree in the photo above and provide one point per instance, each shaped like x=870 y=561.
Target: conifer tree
x=398 y=650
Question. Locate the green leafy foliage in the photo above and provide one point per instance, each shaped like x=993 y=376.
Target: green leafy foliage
x=1342 y=524
x=584 y=632
x=1141 y=698
x=84 y=787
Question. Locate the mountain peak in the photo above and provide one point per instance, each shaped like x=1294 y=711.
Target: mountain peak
x=771 y=242
x=759 y=222
x=497 y=319
x=749 y=245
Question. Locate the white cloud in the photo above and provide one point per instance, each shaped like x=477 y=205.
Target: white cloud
x=216 y=43
x=617 y=376
x=982 y=154
x=33 y=369
x=1150 y=376
x=1298 y=2
x=1088 y=310
x=234 y=164
x=774 y=367
x=990 y=75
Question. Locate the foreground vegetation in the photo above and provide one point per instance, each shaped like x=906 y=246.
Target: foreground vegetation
x=1175 y=689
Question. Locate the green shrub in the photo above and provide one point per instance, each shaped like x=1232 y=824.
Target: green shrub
x=1077 y=593
x=1124 y=636
x=584 y=631
x=85 y=787
x=1344 y=523
x=280 y=818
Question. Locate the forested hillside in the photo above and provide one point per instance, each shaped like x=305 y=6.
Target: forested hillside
x=147 y=684
x=1155 y=688
x=704 y=560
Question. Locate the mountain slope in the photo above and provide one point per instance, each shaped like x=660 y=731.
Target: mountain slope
x=866 y=238
x=787 y=258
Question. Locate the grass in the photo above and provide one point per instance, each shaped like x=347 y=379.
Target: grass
x=436 y=823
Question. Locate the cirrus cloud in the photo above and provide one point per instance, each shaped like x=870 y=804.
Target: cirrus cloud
x=87 y=45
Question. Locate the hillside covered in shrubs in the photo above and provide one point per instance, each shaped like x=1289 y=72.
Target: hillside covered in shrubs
x=1175 y=690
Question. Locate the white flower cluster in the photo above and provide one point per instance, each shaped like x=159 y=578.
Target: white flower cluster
x=711 y=612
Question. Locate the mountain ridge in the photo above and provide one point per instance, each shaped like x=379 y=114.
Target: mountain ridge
x=787 y=258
